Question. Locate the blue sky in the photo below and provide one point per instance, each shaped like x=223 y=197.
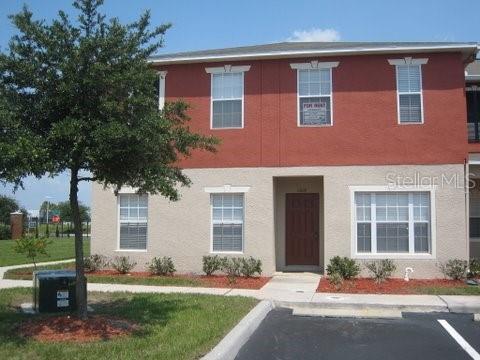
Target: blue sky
x=214 y=24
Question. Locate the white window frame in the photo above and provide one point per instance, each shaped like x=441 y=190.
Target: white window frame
x=225 y=189
x=130 y=191
x=411 y=243
x=161 y=89
x=221 y=70
x=314 y=65
x=408 y=61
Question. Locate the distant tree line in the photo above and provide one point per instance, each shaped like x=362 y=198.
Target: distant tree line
x=64 y=210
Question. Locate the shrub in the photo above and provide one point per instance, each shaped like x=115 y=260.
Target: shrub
x=5 y=233
x=347 y=268
x=336 y=280
x=251 y=266
x=161 y=266
x=123 y=264
x=381 y=269
x=474 y=268
x=455 y=269
x=232 y=267
x=94 y=262
x=211 y=264
x=32 y=247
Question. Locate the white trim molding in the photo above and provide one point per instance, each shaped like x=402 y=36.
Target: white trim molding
x=126 y=190
x=227 y=69
x=314 y=64
x=227 y=189
x=161 y=88
x=408 y=61
x=395 y=256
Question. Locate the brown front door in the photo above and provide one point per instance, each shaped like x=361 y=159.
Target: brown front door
x=301 y=222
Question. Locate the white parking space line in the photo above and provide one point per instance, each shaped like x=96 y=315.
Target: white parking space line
x=460 y=340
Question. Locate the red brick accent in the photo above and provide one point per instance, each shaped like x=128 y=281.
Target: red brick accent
x=16 y=225
x=365 y=129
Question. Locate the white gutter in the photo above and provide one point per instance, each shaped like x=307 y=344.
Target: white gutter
x=305 y=53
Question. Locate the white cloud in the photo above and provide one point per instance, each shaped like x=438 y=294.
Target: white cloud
x=315 y=35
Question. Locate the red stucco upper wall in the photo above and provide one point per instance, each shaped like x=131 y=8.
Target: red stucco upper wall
x=365 y=127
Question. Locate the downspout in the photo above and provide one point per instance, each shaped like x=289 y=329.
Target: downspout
x=466 y=183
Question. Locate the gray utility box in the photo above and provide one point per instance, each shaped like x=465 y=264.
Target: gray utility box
x=54 y=291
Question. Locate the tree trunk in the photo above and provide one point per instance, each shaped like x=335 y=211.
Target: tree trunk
x=81 y=283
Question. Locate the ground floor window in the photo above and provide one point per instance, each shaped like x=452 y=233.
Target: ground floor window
x=392 y=222
x=227 y=222
x=133 y=214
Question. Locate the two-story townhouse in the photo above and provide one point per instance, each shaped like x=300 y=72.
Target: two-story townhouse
x=351 y=149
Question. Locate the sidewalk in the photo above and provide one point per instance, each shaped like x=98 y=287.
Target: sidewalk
x=294 y=290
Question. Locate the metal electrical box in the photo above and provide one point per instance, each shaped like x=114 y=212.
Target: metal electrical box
x=54 y=291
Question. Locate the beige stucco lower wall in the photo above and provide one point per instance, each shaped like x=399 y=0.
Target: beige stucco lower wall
x=182 y=229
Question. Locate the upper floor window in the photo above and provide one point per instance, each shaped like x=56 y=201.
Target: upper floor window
x=161 y=88
x=409 y=90
x=227 y=96
x=314 y=93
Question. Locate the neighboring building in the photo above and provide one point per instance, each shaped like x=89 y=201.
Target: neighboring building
x=350 y=149
x=32 y=218
x=472 y=76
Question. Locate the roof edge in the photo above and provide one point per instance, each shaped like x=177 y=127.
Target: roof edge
x=468 y=49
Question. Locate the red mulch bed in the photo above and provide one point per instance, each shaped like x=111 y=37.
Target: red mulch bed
x=213 y=281
x=70 y=328
x=390 y=286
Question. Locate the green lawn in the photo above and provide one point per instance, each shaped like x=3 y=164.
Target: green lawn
x=59 y=249
x=464 y=290
x=173 y=326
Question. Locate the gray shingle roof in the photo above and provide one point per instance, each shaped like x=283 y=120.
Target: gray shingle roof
x=299 y=49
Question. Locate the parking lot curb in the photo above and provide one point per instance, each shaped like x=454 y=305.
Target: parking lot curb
x=228 y=348
x=461 y=304
x=367 y=313
x=303 y=307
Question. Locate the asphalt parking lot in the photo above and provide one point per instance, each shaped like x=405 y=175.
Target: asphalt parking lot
x=282 y=336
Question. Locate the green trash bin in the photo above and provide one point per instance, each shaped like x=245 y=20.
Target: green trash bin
x=54 y=291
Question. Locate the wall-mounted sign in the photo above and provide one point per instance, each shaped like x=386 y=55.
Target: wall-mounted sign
x=314 y=113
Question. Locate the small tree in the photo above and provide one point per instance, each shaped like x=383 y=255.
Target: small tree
x=31 y=247
x=79 y=97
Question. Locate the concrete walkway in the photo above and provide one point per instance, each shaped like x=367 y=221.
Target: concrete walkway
x=296 y=291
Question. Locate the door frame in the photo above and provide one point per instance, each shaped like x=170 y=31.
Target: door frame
x=316 y=237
